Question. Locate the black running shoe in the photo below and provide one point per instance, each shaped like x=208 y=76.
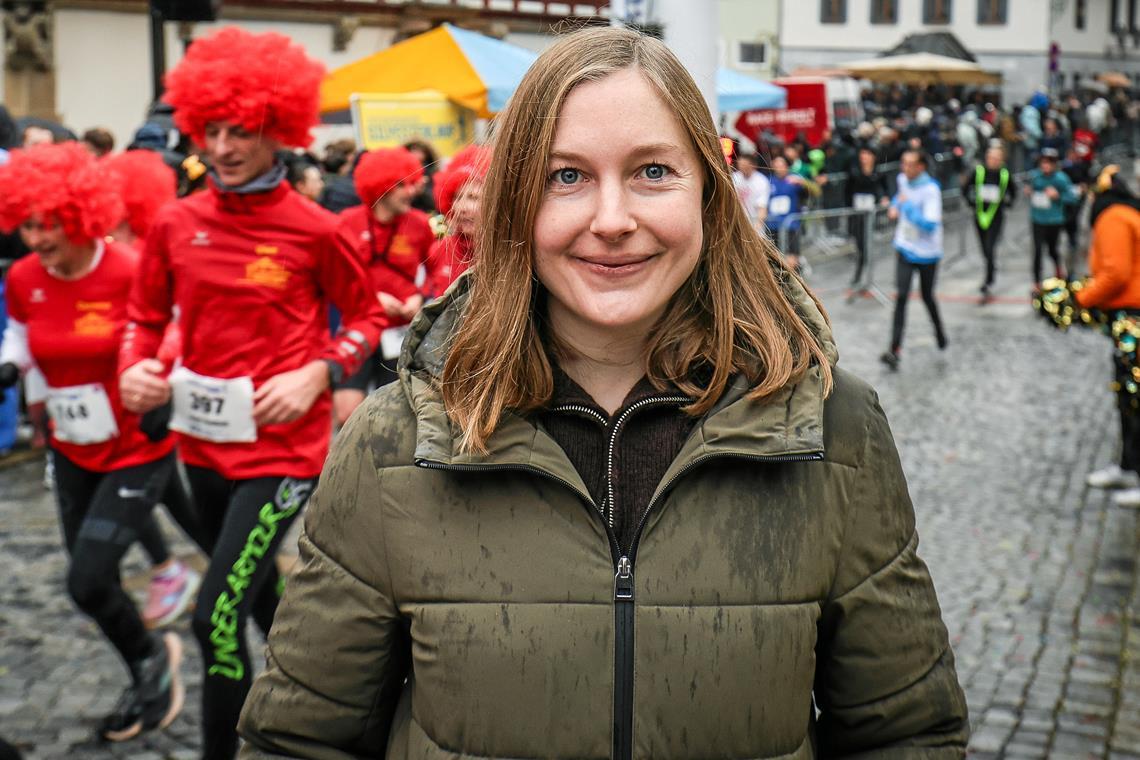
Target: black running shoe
x=891 y=359
x=154 y=698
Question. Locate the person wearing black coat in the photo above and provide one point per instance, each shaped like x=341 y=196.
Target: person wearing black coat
x=866 y=190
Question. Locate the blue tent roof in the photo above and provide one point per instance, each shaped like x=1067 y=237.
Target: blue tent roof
x=737 y=92
x=500 y=65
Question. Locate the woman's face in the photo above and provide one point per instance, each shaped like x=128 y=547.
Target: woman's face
x=619 y=228
x=465 y=210
x=51 y=245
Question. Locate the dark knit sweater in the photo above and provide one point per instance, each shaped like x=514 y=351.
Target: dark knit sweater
x=645 y=434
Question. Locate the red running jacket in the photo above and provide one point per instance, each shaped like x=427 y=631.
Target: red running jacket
x=393 y=252
x=74 y=328
x=251 y=276
x=449 y=257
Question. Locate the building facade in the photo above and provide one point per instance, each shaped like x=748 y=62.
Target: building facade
x=750 y=36
x=1017 y=38
x=87 y=63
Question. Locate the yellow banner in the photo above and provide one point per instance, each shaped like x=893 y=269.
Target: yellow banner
x=385 y=120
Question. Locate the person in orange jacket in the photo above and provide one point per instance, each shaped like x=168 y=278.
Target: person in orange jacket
x=1114 y=285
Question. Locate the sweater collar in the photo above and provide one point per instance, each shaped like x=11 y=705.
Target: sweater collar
x=266 y=190
x=788 y=423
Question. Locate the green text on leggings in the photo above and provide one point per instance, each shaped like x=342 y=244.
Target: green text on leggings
x=224 y=637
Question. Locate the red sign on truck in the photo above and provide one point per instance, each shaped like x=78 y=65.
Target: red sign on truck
x=814 y=105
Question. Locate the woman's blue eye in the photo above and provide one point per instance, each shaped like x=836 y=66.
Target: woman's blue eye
x=655 y=171
x=567 y=176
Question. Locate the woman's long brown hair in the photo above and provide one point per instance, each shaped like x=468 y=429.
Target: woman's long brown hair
x=731 y=316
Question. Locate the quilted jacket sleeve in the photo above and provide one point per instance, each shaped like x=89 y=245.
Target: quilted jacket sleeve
x=885 y=684
x=338 y=652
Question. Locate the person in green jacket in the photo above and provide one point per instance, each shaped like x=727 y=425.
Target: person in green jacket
x=1049 y=189
x=621 y=503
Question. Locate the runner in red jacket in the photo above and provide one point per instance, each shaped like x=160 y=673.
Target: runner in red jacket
x=67 y=311
x=145 y=184
x=458 y=194
x=251 y=266
x=391 y=240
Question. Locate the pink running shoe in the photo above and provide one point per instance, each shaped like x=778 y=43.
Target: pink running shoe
x=169 y=595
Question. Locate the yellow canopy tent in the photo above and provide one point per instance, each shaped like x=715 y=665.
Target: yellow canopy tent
x=472 y=70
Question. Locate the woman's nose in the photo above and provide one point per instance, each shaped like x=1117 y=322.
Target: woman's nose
x=613 y=217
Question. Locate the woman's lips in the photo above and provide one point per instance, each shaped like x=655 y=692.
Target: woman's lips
x=616 y=267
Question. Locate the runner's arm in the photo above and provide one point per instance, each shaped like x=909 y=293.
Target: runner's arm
x=150 y=306
x=345 y=282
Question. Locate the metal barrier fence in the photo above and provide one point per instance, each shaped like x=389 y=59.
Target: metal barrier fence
x=825 y=234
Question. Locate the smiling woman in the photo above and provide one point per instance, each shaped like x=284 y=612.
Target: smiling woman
x=621 y=503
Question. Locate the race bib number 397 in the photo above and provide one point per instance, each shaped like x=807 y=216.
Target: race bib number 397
x=211 y=408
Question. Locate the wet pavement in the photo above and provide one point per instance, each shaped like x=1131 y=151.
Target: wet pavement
x=1036 y=572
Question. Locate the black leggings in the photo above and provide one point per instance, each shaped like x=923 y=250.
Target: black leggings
x=244 y=522
x=989 y=240
x=101 y=515
x=176 y=499
x=904 y=275
x=1046 y=236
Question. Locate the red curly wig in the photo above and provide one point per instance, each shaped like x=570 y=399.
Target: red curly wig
x=61 y=185
x=145 y=184
x=265 y=83
x=380 y=170
x=472 y=161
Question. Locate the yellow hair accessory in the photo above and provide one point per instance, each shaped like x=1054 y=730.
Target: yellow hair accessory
x=193 y=167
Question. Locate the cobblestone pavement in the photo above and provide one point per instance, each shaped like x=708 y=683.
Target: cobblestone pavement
x=1036 y=572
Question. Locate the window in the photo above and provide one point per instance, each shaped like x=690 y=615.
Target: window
x=884 y=11
x=936 y=11
x=993 y=12
x=833 y=11
x=1114 y=24
x=1081 y=8
x=752 y=53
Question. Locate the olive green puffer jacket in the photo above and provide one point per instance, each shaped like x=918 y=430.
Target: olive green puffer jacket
x=450 y=605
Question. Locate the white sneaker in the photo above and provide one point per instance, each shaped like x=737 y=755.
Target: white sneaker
x=1129 y=497
x=1113 y=477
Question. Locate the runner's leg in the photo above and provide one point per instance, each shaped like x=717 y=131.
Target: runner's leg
x=256 y=520
x=904 y=273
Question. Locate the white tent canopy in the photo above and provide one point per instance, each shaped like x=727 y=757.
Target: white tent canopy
x=920 y=68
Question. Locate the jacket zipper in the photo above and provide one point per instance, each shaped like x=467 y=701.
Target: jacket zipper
x=623 y=583
x=624 y=609
x=623 y=565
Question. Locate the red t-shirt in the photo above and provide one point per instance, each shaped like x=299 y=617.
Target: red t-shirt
x=449 y=257
x=252 y=276
x=392 y=252
x=74 y=329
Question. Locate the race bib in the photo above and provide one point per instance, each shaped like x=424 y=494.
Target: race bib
x=863 y=201
x=81 y=414
x=910 y=233
x=990 y=193
x=779 y=205
x=392 y=341
x=1040 y=200
x=211 y=408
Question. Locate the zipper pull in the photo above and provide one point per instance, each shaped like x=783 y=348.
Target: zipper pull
x=623 y=581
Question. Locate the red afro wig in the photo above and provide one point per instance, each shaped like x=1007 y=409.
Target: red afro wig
x=380 y=170
x=471 y=162
x=61 y=185
x=145 y=184
x=265 y=83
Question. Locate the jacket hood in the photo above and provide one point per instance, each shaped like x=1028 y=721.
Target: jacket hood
x=789 y=422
